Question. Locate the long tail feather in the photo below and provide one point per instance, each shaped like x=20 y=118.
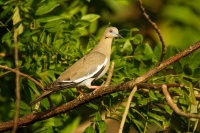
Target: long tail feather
x=45 y=94
x=52 y=87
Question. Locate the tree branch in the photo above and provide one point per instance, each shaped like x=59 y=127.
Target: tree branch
x=34 y=117
x=174 y=106
x=22 y=74
x=110 y=73
x=127 y=109
x=17 y=90
x=156 y=29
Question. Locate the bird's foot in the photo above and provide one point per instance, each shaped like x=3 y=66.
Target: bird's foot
x=89 y=87
x=80 y=91
x=93 y=87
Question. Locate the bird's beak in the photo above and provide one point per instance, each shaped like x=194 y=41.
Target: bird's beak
x=118 y=35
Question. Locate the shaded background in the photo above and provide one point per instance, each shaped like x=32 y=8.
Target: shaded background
x=178 y=20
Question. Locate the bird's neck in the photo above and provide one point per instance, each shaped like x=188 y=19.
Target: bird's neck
x=104 y=46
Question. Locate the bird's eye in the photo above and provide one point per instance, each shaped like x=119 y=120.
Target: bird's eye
x=110 y=30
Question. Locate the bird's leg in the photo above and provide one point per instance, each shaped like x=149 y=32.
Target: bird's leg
x=89 y=87
x=80 y=91
x=93 y=87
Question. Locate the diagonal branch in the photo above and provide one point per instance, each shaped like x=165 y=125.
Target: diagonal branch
x=22 y=74
x=34 y=117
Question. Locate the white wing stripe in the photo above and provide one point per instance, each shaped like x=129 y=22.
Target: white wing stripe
x=92 y=74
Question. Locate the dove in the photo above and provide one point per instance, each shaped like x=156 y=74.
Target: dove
x=89 y=68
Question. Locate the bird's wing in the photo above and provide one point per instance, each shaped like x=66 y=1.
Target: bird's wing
x=90 y=66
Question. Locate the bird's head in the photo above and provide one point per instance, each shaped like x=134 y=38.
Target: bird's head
x=112 y=32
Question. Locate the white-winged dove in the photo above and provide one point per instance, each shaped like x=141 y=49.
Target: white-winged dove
x=90 y=67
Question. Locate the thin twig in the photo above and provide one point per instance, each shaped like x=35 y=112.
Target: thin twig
x=156 y=29
x=174 y=106
x=4 y=26
x=127 y=109
x=110 y=73
x=17 y=90
x=22 y=74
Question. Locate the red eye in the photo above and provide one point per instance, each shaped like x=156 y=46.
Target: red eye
x=110 y=30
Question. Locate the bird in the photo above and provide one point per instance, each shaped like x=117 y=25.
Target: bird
x=87 y=69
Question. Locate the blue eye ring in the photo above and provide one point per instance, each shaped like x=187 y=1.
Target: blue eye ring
x=110 y=30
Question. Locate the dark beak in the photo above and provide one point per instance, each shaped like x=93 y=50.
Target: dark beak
x=120 y=36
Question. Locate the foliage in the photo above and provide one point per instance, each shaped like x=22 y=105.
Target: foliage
x=55 y=34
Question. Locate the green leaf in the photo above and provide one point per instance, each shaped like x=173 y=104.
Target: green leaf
x=157 y=109
x=93 y=106
x=45 y=129
x=49 y=19
x=134 y=29
x=137 y=39
x=46 y=8
x=170 y=52
x=54 y=23
x=187 y=69
x=43 y=37
x=99 y=122
x=49 y=38
x=6 y=36
x=156 y=116
x=102 y=127
x=17 y=19
x=155 y=121
x=192 y=97
x=177 y=67
x=33 y=86
x=157 y=51
x=23 y=107
x=196 y=73
x=139 y=124
x=90 y=17
x=72 y=126
x=28 y=33
x=58 y=43
x=152 y=95
x=4 y=13
x=98 y=116
x=143 y=101
x=168 y=109
x=143 y=52
x=183 y=101
x=82 y=23
x=114 y=95
x=89 y=129
x=194 y=60
x=127 y=48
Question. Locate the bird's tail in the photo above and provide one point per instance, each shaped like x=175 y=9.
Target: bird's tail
x=45 y=94
x=48 y=90
x=52 y=87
